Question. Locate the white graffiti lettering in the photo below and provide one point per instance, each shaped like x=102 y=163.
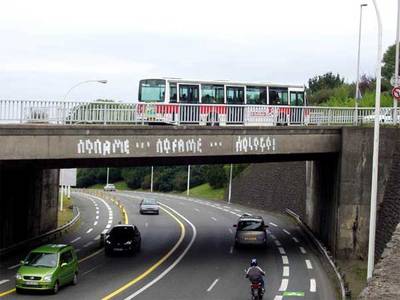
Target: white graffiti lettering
x=179 y=146
x=105 y=148
x=255 y=144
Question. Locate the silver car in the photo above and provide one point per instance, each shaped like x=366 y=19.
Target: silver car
x=250 y=230
x=149 y=206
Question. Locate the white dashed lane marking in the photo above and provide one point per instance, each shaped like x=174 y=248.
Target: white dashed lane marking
x=302 y=250
x=4 y=281
x=278 y=243
x=313 y=285
x=214 y=218
x=14 y=266
x=75 y=240
x=273 y=224
x=196 y=209
x=212 y=285
x=95 y=223
x=284 y=285
x=285 y=260
x=287 y=232
x=230 y=230
x=231 y=250
x=97 y=217
x=281 y=250
x=296 y=240
x=87 y=244
x=89 y=230
x=309 y=265
x=285 y=272
x=278 y=297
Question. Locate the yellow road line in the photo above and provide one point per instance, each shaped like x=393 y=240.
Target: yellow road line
x=7 y=292
x=156 y=265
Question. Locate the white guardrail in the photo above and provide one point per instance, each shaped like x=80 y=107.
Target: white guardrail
x=63 y=112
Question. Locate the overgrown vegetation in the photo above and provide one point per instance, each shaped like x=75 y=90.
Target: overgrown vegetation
x=331 y=90
x=166 y=178
x=67 y=214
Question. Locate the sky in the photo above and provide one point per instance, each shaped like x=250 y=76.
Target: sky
x=49 y=46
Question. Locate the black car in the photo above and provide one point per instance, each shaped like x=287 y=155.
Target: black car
x=122 y=238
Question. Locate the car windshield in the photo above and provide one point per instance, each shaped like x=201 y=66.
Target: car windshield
x=121 y=233
x=149 y=202
x=38 y=259
x=250 y=225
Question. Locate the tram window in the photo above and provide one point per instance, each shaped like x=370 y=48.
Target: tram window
x=278 y=96
x=172 y=92
x=188 y=93
x=152 y=90
x=235 y=95
x=256 y=95
x=296 y=98
x=212 y=93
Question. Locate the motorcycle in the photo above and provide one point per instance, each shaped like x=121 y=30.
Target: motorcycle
x=257 y=292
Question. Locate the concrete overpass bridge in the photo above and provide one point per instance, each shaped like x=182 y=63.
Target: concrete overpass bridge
x=337 y=192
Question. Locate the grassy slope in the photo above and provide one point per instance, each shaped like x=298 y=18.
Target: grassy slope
x=205 y=191
x=67 y=214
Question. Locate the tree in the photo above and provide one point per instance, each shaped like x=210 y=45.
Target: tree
x=388 y=62
x=323 y=82
x=216 y=176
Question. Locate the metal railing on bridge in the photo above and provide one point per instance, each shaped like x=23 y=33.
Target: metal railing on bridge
x=67 y=112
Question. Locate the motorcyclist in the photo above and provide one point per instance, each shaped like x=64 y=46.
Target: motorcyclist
x=255 y=273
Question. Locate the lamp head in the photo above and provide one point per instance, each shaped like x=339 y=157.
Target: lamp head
x=102 y=81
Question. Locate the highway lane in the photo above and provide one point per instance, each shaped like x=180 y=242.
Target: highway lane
x=210 y=269
x=216 y=269
x=100 y=275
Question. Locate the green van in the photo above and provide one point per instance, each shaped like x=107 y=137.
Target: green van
x=47 y=268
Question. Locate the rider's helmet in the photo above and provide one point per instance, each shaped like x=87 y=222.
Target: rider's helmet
x=253 y=262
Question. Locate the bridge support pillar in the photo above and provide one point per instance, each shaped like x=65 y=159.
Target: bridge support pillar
x=28 y=201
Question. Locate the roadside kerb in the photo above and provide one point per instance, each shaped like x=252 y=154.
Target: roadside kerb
x=344 y=292
x=43 y=238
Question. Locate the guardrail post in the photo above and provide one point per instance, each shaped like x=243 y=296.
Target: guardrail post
x=355 y=116
x=329 y=116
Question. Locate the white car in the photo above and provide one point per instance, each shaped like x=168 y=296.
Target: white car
x=109 y=188
x=383 y=118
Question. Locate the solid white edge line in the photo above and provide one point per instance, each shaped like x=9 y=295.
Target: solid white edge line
x=285 y=272
x=309 y=265
x=284 y=285
x=313 y=285
x=212 y=285
x=166 y=271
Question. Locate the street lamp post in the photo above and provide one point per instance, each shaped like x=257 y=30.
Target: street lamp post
x=151 y=179
x=374 y=184
x=188 y=181
x=396 y=66
x=358 y=94
x=82 y=82
x=108 y=175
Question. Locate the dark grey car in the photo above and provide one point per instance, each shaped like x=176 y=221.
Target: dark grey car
x=250 y=230
x=149 y=206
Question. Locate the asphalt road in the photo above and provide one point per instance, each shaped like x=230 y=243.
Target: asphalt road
x=187 y=253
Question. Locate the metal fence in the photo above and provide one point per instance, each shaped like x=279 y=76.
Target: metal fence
x=62 y=112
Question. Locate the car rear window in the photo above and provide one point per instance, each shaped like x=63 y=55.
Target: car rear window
x=250 y=225
x=149 y=202
x=122 y=232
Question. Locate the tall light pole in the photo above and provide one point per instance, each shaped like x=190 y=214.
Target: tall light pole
x=108 y=175
x=151 y=179
x=188 y=181
x=230 y=185
x=358 y=94
x=82 y=82
x=375 y=156
x=396 y=66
